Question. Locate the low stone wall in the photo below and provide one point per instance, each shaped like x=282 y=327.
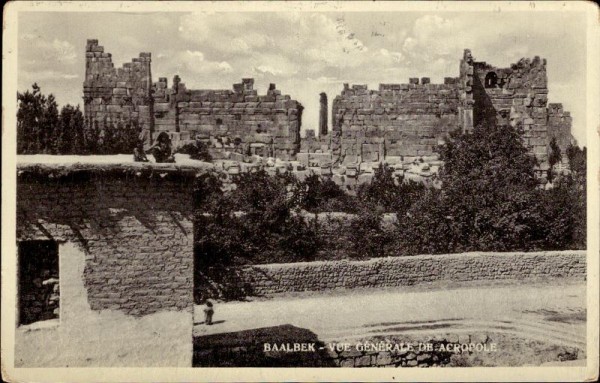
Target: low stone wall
x=406 y=271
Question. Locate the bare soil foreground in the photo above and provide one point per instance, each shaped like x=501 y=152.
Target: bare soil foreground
x=533 y=323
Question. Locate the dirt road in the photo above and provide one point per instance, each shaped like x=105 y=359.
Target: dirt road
x=539 y=311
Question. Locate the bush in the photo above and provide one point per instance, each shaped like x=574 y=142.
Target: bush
x=368 y=238
x=388 y=194
x=319 y=195
x=258 y=222
x=197 y=151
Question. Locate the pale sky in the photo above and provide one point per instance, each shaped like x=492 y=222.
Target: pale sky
x=304 y=53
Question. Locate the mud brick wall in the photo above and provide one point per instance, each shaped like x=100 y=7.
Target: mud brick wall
x=396 y=120
x=238 y=120
x=136 y=229
x=116 y=94
x=407 y=271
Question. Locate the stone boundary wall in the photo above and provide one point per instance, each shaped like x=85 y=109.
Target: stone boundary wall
x=134 y=224
x=407 y=271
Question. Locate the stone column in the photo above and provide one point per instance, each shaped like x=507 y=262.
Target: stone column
x=323 y=115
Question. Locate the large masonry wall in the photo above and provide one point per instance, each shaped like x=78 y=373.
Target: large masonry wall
x=407 y=271
x=134 y=226
x=396 y=120
x=237 y=120
x=409 y=120
x=116 y=94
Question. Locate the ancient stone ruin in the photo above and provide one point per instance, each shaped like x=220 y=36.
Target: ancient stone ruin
x=401 y=124
x=238 y=120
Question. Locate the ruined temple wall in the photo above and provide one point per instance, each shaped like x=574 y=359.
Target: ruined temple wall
x=136 y=232
x=396 y=120
x=559 y=126
x=515 y=95
x=238 y=120
x=116 y=94
x=518 y=95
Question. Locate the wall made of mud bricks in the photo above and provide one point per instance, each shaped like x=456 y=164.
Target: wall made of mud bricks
x=137 y=233
x=407 y=271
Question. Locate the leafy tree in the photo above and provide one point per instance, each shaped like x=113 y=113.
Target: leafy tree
x=577 y=159
x=29 y=120
x=367 y=235
x=70 y=134
x=554 y=157
x=258 y=222
x=50 y=126
x=389 y=195
x=41 y=128
x=93 y=138
x=488 y=187
x=319 y=195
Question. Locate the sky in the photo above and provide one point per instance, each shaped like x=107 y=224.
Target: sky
x=304 y=53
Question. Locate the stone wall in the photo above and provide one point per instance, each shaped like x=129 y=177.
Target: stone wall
x=114 y=95
x=518 y=95
x=409 y=120
x=134 y=224
x=407 y=271
x=397 y=120
x=238 y=120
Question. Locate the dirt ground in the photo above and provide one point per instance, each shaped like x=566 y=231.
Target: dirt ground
x=526 y=317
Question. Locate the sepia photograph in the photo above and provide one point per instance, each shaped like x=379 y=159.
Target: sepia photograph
x=302 y=188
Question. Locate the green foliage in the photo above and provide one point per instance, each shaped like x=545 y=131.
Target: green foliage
x=258 y=222
x=37 y=122
x=577 y=159
x=490 y=201
x=42 y=129
x=554 y=157
x=197 y=151
x=387 y=194
x=367 y=236
x=319 y=195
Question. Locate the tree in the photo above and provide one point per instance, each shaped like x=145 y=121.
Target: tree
x=30 y=116
x=389 y=195
x=50 y=126
x=487 y=201
x=70 y=132
x=41 y=128
x=319 y=195
x=554 y=157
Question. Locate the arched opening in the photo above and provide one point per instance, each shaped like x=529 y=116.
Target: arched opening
x=491 y=80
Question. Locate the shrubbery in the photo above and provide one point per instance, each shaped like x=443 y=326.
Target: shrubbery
x=197 y=151
x=490 y=200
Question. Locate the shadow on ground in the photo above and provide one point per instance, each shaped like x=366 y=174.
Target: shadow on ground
x=247 y=349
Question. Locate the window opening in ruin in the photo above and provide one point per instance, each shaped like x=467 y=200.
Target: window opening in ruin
x=259 y=130
x=38 y=278
x=219 y=121
x=237 y=141
x=491 y=80
x=238 y=117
